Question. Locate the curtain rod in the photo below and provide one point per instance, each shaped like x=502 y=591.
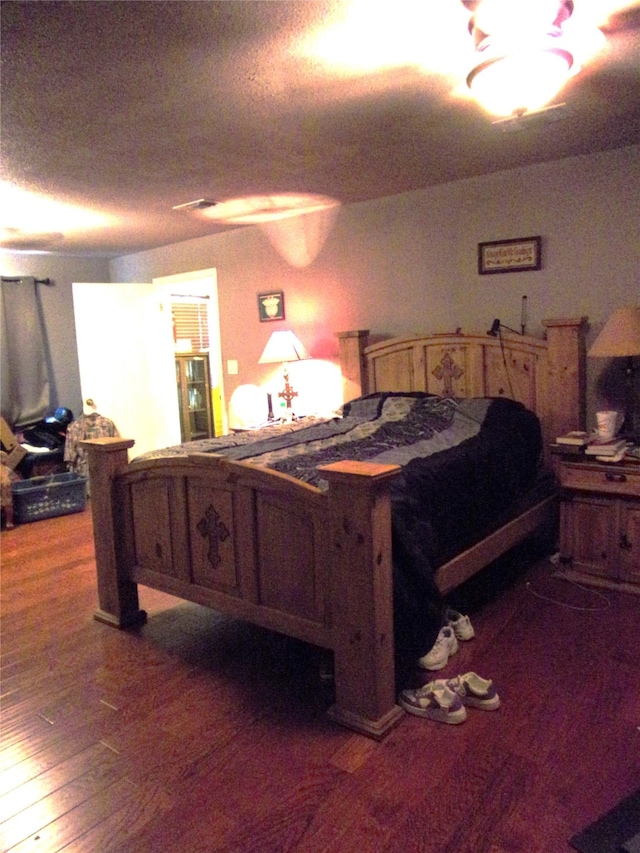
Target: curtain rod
x=7 y=280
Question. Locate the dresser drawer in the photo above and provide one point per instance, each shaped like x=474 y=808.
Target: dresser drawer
x=614 y=479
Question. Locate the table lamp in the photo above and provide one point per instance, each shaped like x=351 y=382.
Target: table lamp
x=620 y=338
x=284 y=347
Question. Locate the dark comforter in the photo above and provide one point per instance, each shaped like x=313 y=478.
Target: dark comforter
x=464 y=462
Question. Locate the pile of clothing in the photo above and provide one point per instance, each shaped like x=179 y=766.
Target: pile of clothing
x=45 y=438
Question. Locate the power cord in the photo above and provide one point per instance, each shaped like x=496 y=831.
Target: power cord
x=506 y=366
x=561 y=576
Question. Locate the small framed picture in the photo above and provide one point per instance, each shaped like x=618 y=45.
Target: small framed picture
x=271 y=306
x=519 y=255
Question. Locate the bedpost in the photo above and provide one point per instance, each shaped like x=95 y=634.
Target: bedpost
x=117 y=597
x=355 y=379
x=361 y=596
x=566 y=375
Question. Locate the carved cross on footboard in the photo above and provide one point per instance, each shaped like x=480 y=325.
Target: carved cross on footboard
x=212 y=527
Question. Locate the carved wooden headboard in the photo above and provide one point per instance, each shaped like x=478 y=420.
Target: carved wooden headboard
x=547 y=376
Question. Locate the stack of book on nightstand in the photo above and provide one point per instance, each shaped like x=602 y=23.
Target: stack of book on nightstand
x=573 y=443
x=588 y=444
x=576 y=438
x=613 y=447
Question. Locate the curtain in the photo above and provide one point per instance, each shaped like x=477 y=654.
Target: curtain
x=25 y=362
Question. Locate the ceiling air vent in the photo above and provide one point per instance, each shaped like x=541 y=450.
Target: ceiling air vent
x=200 y=204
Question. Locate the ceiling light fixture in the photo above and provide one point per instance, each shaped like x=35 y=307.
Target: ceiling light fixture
x=31 y=221
x=537 y=119
x=16 y=239
x=522 y=58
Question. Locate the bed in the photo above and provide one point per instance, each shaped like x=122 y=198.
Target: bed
x=315 y=561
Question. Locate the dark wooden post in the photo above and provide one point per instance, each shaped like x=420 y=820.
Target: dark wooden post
x=361 y=596
x=117 y=596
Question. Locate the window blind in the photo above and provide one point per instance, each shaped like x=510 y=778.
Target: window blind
x=191 y=321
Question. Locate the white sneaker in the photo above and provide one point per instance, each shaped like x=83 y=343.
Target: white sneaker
x=461 y=625
x=475 y=691
x=445 y=645
x=434 y=701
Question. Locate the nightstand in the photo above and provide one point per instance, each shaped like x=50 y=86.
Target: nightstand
x=600 y=522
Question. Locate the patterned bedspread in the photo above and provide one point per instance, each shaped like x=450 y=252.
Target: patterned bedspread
x=386 y=428
x=465 y=466
x=464 y=462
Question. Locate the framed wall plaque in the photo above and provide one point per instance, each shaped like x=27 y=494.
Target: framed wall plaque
x=518 y=255
x=271 y=306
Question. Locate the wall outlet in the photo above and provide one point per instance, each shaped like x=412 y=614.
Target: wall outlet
x=232 y=367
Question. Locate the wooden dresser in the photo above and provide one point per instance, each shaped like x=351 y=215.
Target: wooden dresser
x=600 y=522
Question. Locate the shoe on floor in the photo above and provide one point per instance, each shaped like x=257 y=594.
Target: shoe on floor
x=446 y=644
x=435 y=701
x=461 y=625
x=474 y=691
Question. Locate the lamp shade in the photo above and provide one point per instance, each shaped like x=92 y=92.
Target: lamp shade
x=282 y=347
x=620 y=335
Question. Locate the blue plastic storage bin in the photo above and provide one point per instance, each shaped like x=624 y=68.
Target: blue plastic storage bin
x=46 y=497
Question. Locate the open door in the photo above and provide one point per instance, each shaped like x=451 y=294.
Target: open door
x=126 y=359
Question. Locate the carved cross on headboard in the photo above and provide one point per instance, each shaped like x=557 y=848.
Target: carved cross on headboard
x=212 y=527
x=447 y=371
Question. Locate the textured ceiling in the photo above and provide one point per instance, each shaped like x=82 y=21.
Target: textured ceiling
x=122 y=110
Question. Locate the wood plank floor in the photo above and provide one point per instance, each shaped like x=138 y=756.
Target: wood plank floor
x=198 y=733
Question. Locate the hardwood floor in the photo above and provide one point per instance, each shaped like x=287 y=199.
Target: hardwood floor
x=198 y=733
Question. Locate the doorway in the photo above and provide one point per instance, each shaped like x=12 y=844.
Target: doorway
x=203 y=285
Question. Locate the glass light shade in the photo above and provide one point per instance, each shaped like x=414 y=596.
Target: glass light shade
x=282 y=347
x=520 y=81
x=620 y=336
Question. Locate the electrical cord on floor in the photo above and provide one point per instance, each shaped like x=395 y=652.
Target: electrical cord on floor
x=560 y=575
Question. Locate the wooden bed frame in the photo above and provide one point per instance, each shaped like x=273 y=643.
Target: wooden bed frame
x=260 y=546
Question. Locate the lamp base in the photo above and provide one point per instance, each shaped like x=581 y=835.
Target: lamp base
x=287 y=394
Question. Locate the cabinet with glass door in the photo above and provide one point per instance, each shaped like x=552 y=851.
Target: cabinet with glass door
x=194 y=396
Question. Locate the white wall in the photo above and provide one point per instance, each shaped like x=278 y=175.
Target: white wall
x=409 y=262
x=399 y=264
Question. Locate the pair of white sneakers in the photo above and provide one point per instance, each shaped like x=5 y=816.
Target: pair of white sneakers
x=446 y=701
x=458 y=627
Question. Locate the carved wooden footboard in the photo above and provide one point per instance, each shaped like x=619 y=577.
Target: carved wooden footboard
x=259 y=546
